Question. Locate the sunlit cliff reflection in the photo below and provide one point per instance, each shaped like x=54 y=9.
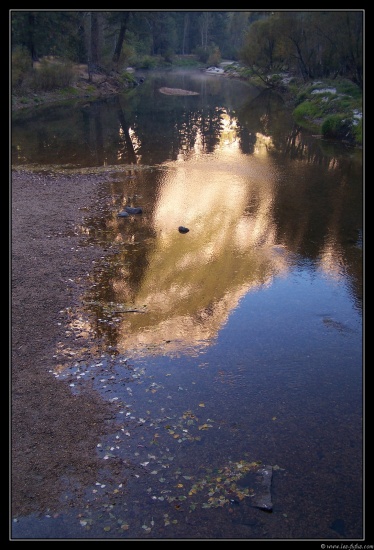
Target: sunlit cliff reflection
x=193 y=281
x=163 y=292
x=331 y=261
x=259 y=195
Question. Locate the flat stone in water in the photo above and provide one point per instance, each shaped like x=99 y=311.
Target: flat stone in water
x=133 y=210
x=260 y=482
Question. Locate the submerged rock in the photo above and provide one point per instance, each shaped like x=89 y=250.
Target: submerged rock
x=133 y=210
x=262 y=499
x=260 y=482
x=182 y=229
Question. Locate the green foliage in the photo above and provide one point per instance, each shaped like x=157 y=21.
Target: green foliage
x=50 y=32
x=246 y=72
x=336 y=126
x=357 y=132
x=185 y=61
x=52 y=75
x=299 y=95
x=208 y=56
x=349 y=88
x=21 y=66
x=128 y=55
x=334 y=111
x=214 y=58
x=168 y=55
x=318 y=50
x=308 y=44
x=202 y=54
x=69 y=91
x=127 y=78
x=307 y=114
x=311 y=45
x=341 y=127
x=275 y=79
x=146 y=62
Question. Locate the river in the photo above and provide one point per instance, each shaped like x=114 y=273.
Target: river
x=233 y=352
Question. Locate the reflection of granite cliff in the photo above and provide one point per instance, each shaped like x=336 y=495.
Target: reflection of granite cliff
x=193 y=281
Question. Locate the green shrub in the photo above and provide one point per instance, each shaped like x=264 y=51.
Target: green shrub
x=52 y=75
x=185 y=61
x=202 y=54
x=275 y=79
x=337 y=127
x=357 y=132
x=146 y=62
x=128 y=56
x=21 y=67
x=349 y=88
x=127 y=78
x=168 y=55
x=306 y=111
x=215 y=57
x=68 y=91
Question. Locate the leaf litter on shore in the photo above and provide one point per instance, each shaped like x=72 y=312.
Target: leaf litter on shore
x=233 y=483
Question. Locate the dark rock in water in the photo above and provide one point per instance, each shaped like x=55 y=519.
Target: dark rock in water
x=338 y=526
x=182 y=229
x=123 y=214
x=331 y=323
x=262 y=499
x=132 y=210
x=260 y=482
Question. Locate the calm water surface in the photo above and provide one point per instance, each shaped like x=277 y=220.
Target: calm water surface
x=232 y=352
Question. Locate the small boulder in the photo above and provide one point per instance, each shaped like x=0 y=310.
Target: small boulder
x=182 y=229
x=132 y=210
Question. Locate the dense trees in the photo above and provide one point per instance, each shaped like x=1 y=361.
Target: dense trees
x=59 y=33
x=317 y=44
x=310 y=44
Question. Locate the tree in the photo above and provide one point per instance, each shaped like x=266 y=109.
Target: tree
x=186 y=23
x=43 y=33
x=351 y=45
x=261 y=49
x=122 y=18
x=311 y=44
x=163 y=29
x=205 y=21
x=237 y=26
x=94 y=42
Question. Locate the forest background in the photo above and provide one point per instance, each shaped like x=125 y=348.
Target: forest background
x=291 y=51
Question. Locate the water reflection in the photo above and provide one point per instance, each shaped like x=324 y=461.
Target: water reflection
x=193 y=281
x=256 y=192
x=184 y=287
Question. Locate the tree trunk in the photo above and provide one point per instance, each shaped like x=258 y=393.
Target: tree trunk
x=94 y=39
x=185 y=31
x=30 y=37
x=121 y=38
